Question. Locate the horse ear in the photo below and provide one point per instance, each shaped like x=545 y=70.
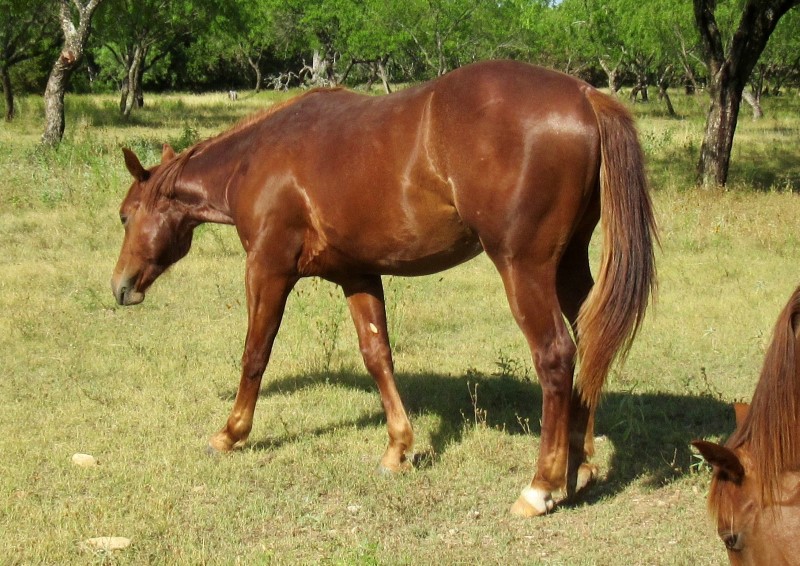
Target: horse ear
x=167 y=152
x=741 y=410
x=135 y=166
x=724 y=461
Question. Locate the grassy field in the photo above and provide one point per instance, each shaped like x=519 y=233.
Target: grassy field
x=142 y=388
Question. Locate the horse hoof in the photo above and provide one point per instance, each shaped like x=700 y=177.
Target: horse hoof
x=211 y=451
x=219 y=444
x=587 y=473
x=391 y=469
x=533 y=502
x=382 y=470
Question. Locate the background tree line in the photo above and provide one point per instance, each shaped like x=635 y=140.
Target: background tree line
x=733 y=49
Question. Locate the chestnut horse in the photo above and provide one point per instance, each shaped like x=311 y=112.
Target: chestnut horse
x=502 y=157
x=755 y=489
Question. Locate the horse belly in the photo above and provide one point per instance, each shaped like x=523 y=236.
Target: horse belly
x=432 y=252
x=389 y=243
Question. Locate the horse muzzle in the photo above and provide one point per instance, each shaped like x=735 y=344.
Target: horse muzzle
x=125 y=292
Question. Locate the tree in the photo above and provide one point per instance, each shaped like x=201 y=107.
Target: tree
x=30 y=30
x=255 y=35
x=779 y=62
x=139 y=33
x=598 y=25
x=729 y=70
x=448 y=33
x=76 y=37
x=556 y=35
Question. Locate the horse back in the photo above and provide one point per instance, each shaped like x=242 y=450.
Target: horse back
x=423 y=179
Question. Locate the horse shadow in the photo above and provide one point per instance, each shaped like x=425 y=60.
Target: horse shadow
x=649 y=433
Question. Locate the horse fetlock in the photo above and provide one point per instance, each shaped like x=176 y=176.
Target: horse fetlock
x=394 y=461
x=533 y=502
x=225 y=441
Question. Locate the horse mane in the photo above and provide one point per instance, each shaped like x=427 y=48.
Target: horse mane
x=166 y=175
x=770 y=431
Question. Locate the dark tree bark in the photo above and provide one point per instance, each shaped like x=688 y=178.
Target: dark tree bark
x=8 y=92
x=75 y=40
x=728 y=75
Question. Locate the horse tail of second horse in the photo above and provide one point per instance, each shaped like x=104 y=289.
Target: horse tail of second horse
x=613 y=311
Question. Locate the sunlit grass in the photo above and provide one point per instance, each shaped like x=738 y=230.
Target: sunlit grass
x=142 y=388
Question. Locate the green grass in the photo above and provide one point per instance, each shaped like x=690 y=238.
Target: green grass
x=142 y=388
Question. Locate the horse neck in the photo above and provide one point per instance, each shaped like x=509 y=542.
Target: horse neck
x=202 y=185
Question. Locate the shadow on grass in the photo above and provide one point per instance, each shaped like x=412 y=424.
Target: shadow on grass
x=649 y=432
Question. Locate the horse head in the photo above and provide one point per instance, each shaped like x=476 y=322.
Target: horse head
x=755 y=487
x=157 y=231
x=753 y=531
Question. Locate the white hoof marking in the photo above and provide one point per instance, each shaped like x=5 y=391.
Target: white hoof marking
x=539 y=499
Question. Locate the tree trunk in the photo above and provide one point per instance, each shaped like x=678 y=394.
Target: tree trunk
x=54 y=99
x=754 y=100
x=123 y=94
x=384 y=74
x=614 y=74
x=255 y=65
x=75 y=39
x=8 y=93
x=318 y=71
x=664 y=95
x=663 y=85
x=715 y=153
x=728 y=75
x=134 y=80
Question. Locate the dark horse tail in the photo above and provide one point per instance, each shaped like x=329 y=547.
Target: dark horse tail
x=615 y=307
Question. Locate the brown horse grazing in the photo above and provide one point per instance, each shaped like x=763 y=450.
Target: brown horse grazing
x=755 y=489
x=500 y=157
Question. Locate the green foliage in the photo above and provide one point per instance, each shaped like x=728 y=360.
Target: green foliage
x=225 y=44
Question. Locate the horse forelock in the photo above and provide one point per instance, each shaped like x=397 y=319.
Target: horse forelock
x=165 y=176
x=771 y=431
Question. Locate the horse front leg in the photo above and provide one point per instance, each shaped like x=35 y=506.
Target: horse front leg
x=266 y=300
x=366 y=303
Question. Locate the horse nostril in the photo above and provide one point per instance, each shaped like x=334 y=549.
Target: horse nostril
x=119 y=292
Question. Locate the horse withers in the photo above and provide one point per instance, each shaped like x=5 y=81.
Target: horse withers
x=755 y=489
x=502 y=157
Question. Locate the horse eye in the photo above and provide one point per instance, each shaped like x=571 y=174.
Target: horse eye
x=123 y=218
x=733 y=541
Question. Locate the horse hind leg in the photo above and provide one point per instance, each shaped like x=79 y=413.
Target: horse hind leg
x=531 y=292
x=574 y=281
x=366 y=303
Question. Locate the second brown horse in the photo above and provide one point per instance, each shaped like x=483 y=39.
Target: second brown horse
x=502 y=157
